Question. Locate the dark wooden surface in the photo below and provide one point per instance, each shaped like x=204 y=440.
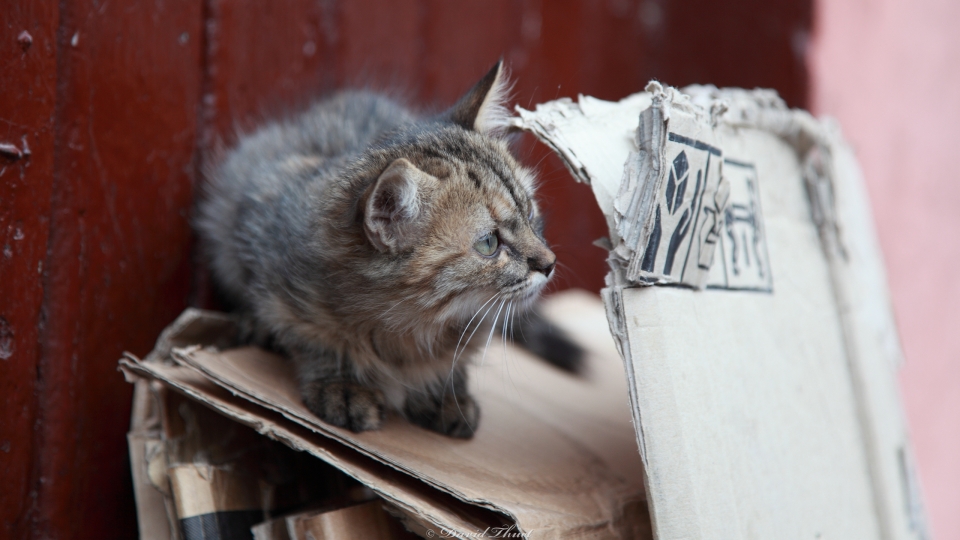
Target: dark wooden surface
x=122 y=104
x=28 y=68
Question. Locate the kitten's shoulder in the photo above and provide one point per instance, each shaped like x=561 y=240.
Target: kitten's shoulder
x=350 y=120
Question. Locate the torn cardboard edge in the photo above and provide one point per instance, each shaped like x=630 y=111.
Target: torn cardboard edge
x=224 y=479
x=531 y=466
x=200 y=472
x=413 y=498
x=659 y=243
x=620 y=149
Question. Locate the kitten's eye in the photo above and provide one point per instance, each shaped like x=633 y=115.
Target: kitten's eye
x=487 y=245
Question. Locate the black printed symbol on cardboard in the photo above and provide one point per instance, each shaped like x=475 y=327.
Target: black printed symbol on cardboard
x=710 y=231
x=677 y=219
x=745 y=237
x=742 y=247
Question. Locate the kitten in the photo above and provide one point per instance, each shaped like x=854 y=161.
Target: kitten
x=371 y=245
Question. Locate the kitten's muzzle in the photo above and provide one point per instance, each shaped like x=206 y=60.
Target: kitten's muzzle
x=543 y=263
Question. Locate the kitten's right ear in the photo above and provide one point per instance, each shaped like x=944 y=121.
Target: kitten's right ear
x=396 y=206
x=482 y=108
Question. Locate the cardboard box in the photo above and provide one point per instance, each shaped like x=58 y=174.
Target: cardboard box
x=762 y=385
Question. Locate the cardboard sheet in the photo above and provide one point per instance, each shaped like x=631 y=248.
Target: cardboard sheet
x=554 y=455
x=411 y=496
x=766 y=404
x=365 y=520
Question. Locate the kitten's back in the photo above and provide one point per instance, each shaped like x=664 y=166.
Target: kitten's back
x=286 y=161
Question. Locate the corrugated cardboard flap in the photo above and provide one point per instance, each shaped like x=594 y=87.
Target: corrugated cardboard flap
x=553 y=454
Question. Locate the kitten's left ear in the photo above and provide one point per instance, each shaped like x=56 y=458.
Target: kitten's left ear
x=482 y=108
x=394 y=210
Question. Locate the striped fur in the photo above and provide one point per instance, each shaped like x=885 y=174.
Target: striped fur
x=346 y=237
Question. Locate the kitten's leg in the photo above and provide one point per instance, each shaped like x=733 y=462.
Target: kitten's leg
x=448 y=409
x=336 y=397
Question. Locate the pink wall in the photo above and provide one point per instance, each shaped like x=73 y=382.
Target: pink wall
x=889 y=70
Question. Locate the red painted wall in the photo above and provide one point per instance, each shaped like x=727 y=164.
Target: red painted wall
x=122 y=103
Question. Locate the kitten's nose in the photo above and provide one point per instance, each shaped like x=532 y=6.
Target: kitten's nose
x=543 y=263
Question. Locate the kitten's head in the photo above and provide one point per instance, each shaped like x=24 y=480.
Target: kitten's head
x=454 y=213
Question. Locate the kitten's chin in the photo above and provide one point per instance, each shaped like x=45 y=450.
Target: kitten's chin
x=533 y=286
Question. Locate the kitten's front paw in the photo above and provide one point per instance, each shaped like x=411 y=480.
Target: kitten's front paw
x=455 y=417
x=345 y=404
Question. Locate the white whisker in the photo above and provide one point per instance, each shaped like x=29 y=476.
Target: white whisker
x=512 y=321
x=503 y=331
x=467 y=327
x=492 y=328
x=456 y=354
x=506 y=362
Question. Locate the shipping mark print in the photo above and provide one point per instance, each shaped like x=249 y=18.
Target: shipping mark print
x=742 y=250
x=675 y=190
x=688 y=214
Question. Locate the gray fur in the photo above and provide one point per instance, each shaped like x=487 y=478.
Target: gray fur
x=287 y=222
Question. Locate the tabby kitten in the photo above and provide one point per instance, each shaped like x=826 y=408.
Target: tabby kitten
x=371 y=245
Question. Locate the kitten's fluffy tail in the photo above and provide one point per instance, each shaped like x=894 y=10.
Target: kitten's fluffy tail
x=535 y=333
